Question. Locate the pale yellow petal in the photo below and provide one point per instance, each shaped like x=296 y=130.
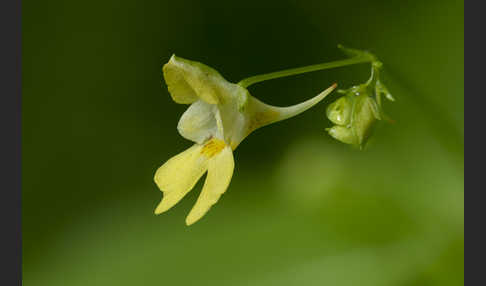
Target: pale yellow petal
x=189 y=81
x=220 y=171
x=179 y=175
x=198 y=123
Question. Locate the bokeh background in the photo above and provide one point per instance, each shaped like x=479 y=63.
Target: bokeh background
x=302 y=208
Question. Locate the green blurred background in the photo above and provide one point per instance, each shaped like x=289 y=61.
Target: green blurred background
x=302 y=208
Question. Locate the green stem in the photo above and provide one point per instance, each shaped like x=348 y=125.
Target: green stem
x=329 y=65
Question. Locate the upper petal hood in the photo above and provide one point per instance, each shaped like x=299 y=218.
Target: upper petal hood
x=189 y=81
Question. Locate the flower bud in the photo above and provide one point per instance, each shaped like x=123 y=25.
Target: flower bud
x=364 y=118
x=356 y=113
x=343 y=134
x=354 y=116
x=339 y=112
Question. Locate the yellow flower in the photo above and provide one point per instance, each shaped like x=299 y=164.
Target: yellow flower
x=220 y=116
